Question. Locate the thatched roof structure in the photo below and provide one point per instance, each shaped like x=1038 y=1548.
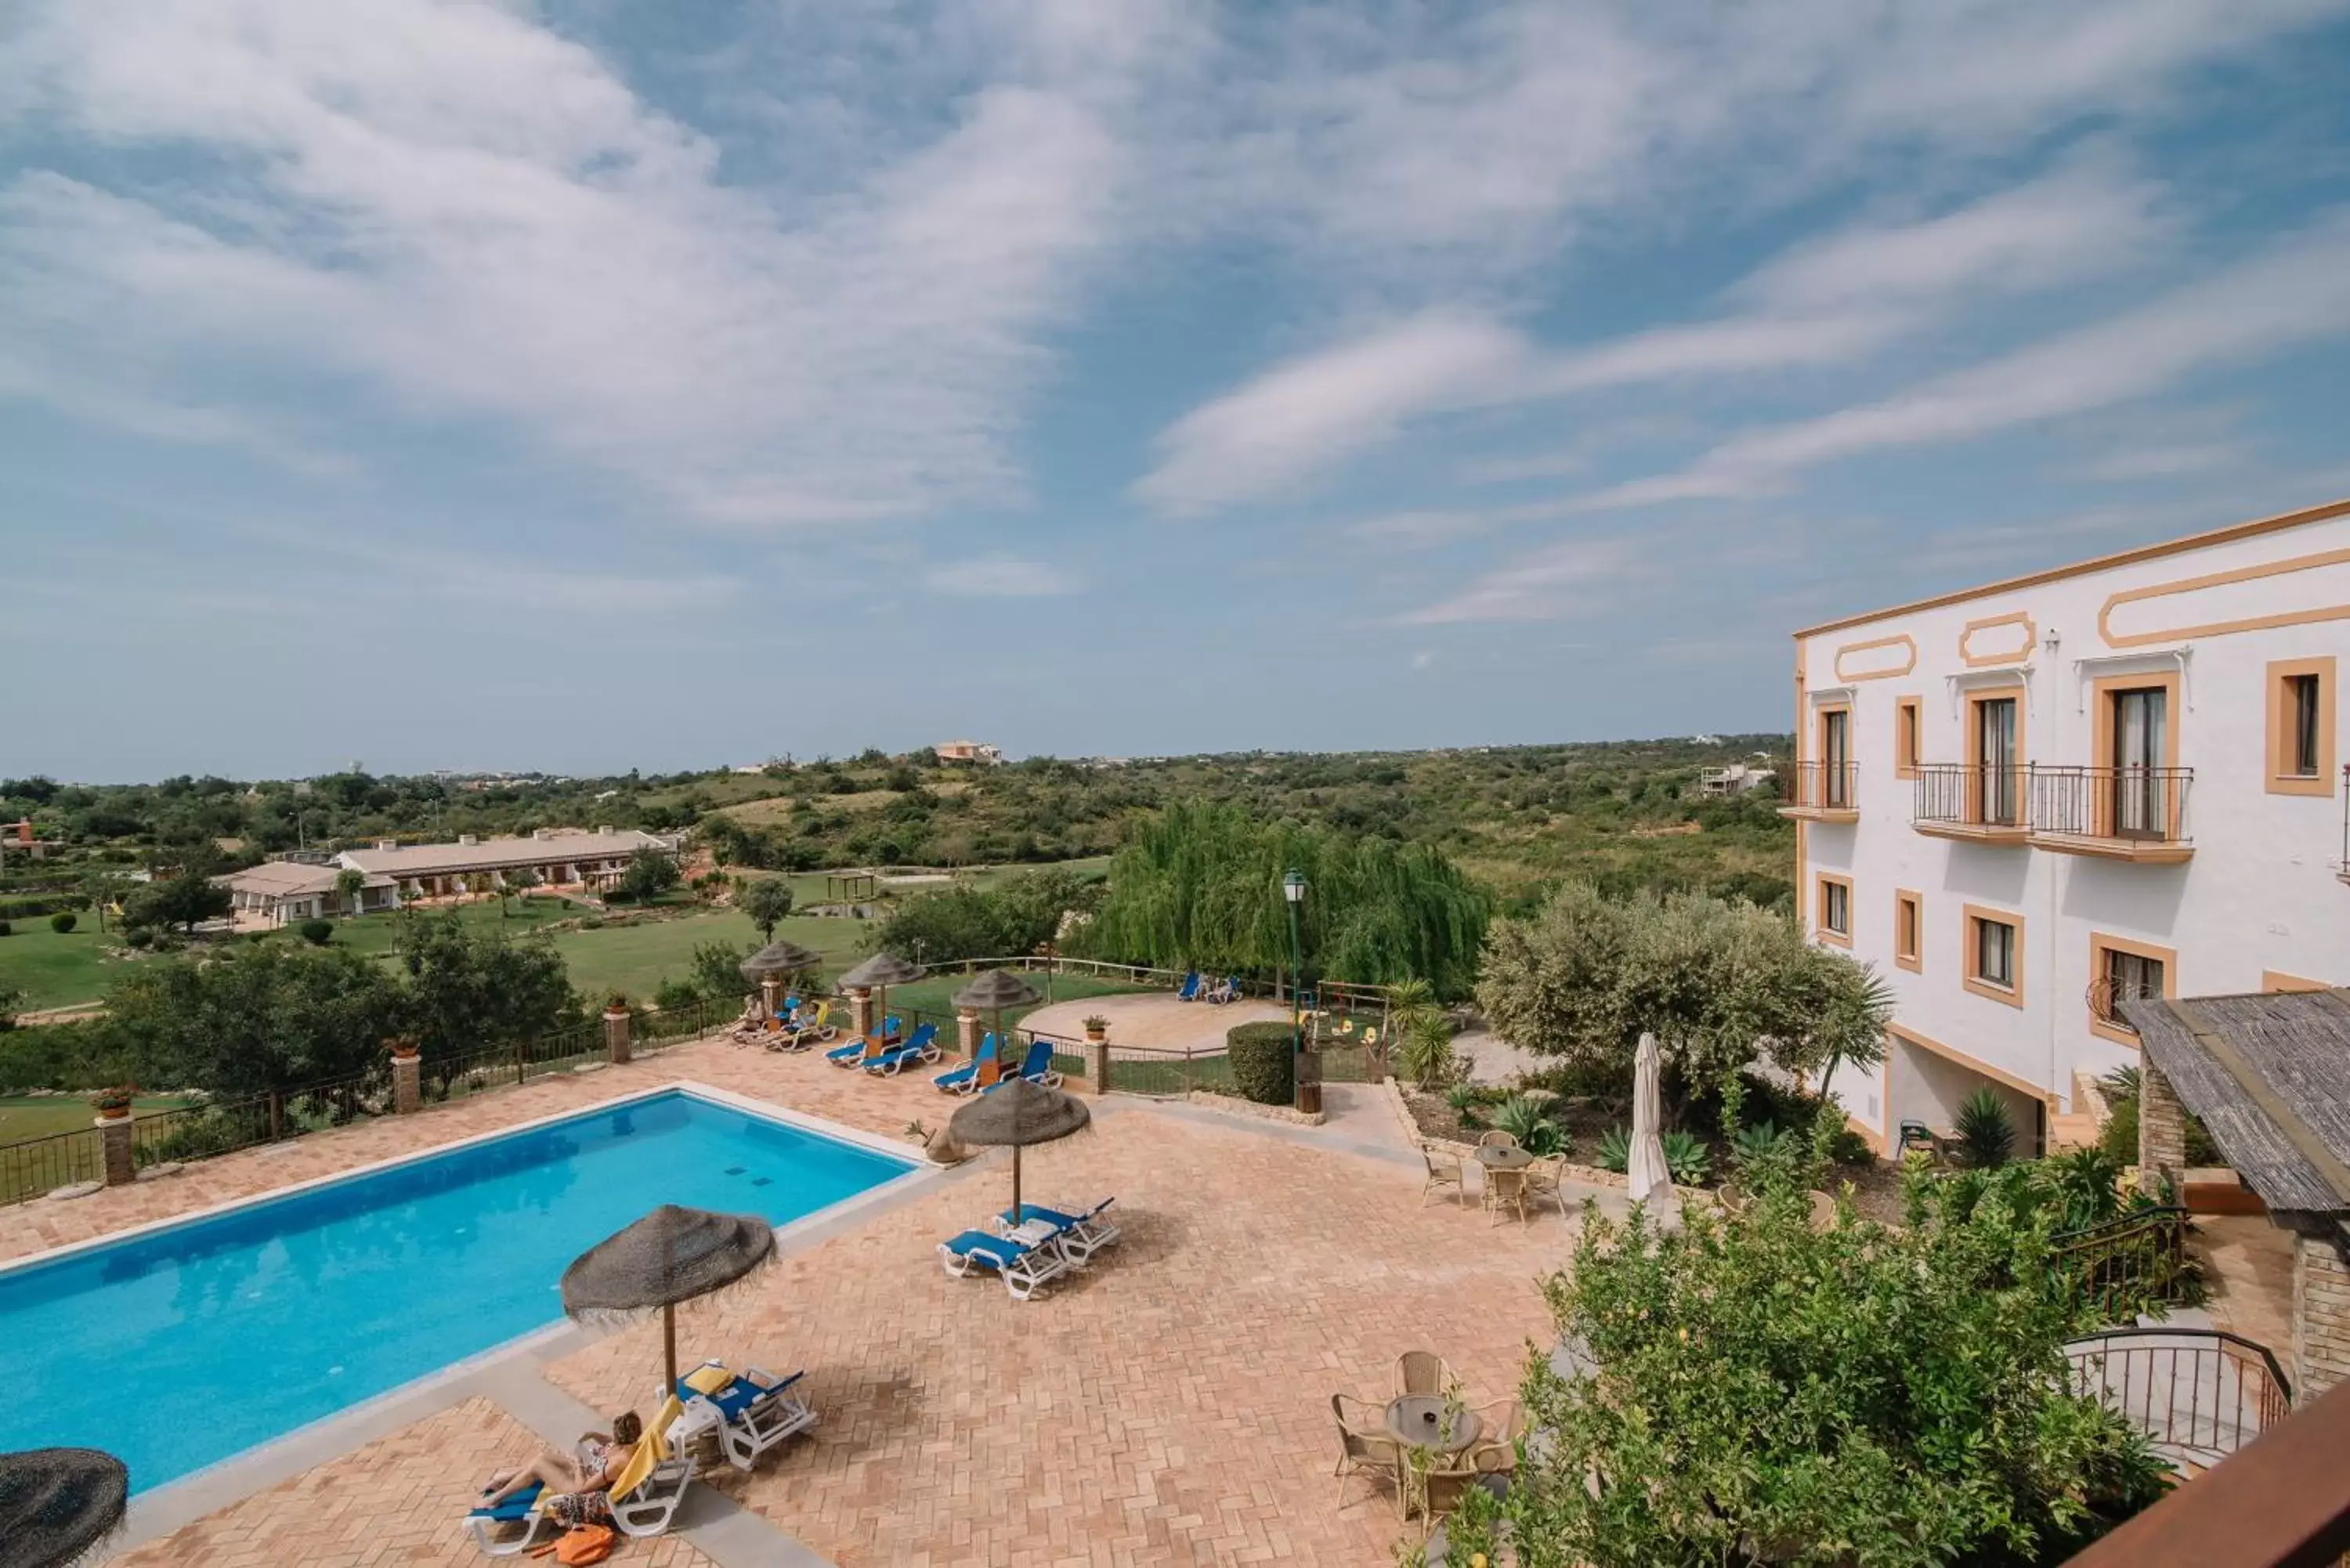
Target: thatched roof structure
x=2269 y=1075
x=880 y=969
x=995 y=989
x=779 y=958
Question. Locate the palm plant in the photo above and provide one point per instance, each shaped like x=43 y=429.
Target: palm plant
x=1986 y=1132
x=1426 y=1055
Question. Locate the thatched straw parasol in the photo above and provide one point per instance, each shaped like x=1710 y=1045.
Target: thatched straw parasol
x=779 y=958
x=1018 y=1113
x=879 y=973
x=670 y=1255
x=57 y=1504
x=993 y=991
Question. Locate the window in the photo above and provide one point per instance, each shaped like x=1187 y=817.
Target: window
x=1907 y=750
x=1835 y=758
x=1909 y=931
x=2300 y=727
x=1835 y=922
x=2123 y=971
x=1997 y=773
x=2140 y=727
x=1995 y=955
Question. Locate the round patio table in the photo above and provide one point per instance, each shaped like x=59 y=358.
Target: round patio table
x=1419 y=1420
x=1514 y=1157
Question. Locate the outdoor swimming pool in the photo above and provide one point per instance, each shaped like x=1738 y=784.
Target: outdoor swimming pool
x=182 y=1347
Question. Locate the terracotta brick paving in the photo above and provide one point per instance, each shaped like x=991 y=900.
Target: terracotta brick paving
x=1170 y=1406
x=399 y=1500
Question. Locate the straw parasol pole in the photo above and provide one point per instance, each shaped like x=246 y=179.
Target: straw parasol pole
x=670 y=1255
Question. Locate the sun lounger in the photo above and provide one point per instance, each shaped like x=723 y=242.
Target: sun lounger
x=520 y=1514
x=1190 y=990
x=1038 y=1066
x=1079 y=1236
x=923 y=1046
x=1225 y=990
x=645 y=1493
x=982 y=1070
x=862 y=1051
x=1025 y=1270
x=756 y=1409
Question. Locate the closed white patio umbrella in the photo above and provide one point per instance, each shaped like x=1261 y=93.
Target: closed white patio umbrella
x=1647 y=1172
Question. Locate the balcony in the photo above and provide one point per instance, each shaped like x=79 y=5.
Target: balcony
x=2135 y=814
x=1971 y=802
x=1821 y=791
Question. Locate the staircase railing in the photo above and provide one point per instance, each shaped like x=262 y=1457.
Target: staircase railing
x=2198 y=1394
x=2124 y=1263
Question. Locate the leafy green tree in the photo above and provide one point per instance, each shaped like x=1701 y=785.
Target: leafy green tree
x=1715 y=982
x=768 y=901
x=182 y=900
x=1201 y=884
x=718 y=970
x=471 y=991
x=517 y=883
x=1018 y=917
x=253 y=1019
x=651 y=874
x=12 y=998
x=349 y=886
x=1751 y=1390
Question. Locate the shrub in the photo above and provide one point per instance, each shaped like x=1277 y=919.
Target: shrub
x=318 y=933
x=1524 y=1118
x=1426 y=1056
x=676 y=993
x=1986 y=1132
x=138 y=937
x=1616 y=1150
x=2119 y=1137
x=1759 y=1143
x=5 y=929
x=1848 y=1147
x=63 y=921
x=1261 y=1068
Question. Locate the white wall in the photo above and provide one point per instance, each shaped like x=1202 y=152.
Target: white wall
x=2260 y=892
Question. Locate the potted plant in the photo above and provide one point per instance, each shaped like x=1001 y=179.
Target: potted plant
x=401 y=1047
x=1096 y=1028
x=616 y=1004
x=114 y=1103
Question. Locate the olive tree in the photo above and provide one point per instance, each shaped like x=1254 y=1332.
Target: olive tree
x=1719 y=983
x=768 y=901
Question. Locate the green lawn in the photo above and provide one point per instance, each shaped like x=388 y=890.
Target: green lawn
x=374 y=934
x=38 y=1116
x=55 y=971
x=635 y=959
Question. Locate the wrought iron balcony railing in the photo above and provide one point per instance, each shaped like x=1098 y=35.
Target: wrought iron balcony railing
x=2127 y=813
x=1971 y=799
x=1820 y=791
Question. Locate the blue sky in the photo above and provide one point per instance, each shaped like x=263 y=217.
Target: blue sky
x=590 y=385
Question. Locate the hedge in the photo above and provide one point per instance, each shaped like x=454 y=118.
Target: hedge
x=38 y=908
x=1262 y=1066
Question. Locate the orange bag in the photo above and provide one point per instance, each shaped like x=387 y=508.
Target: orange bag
x=585 y=1543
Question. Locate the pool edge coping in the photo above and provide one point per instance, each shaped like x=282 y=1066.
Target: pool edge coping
x=839 y=1132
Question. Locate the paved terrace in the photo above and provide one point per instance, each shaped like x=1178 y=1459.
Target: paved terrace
x=1170 y=1407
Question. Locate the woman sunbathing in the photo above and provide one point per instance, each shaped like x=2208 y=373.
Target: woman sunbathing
x=576 y=1483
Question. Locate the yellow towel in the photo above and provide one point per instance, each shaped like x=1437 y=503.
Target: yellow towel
x=650 y=1450
x=709 y=1379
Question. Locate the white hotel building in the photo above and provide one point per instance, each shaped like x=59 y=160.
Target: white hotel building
x=2025 y=801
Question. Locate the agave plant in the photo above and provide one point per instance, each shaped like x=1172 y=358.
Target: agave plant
x=1426 y=1056
x=1760 y=1143
x=1687 y=1157
x=1522 y=1117
x=1615 y=1149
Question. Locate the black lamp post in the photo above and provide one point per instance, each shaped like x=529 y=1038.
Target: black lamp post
x=1306 y=1096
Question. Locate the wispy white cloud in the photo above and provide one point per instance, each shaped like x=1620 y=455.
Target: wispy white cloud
x=1000 y=577
x=2292 y=292
x=1308 y=412
x=1555 y=583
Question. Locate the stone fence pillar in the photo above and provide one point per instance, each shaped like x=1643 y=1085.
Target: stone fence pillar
x=860 y=1011
x=615 y=1035
x=2161 y=1129
x=967 y=1031
x=770 y=997
x=1098 y=1066
x=406 y=1084
x=114 y=1141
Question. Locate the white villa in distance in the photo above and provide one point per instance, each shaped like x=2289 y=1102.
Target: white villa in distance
x=2025 y=801
x=280 y=891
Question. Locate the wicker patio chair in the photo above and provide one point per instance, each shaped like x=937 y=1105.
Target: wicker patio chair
x=1506 y=1189
x=1365 y=1449
x=1421 y=1372
x=1495 y=1138
x=1543 y=1178
x=1444 y=1170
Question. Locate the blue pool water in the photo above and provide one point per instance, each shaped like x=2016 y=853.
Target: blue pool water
x=179 y=1349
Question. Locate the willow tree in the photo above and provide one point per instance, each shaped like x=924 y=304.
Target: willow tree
x=1201 y=884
